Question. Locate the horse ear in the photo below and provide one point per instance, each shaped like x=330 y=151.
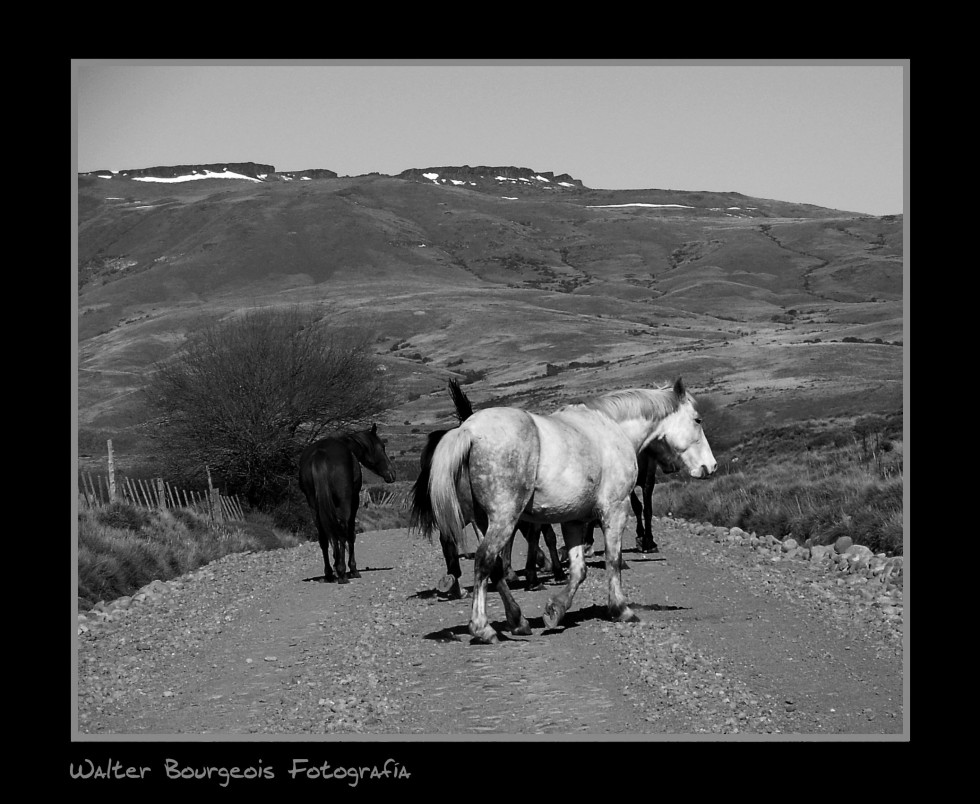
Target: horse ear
x=374 y=429
x=679 y=388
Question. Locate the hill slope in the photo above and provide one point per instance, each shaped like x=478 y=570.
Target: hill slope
x=534 y=286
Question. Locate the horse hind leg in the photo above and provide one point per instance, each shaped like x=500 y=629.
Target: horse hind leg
x=351 y=536
x=324 y=539
x=328 y=573
x=337 y=541
x=448 y=585
x=518 y=625
x=487 y=567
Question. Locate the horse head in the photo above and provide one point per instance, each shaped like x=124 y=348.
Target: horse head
x=375 y=457
x=681 y=441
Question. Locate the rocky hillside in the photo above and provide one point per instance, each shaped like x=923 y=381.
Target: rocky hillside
x=528 y=285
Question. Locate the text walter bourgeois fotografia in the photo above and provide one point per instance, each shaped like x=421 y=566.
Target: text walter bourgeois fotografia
x=296 y=770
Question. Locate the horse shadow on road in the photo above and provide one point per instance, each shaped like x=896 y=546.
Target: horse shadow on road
x=458 y=633
x=657 y=607
x=323 y=578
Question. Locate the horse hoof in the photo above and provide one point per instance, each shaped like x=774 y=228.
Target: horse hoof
x=623 y=565
x=446 y=584
x=536 y=587
x=345 y=579
x=355 y=574
x=484 y=636
x=553 y=614
x=627 y=616
x=524 y=629
x=453 y=594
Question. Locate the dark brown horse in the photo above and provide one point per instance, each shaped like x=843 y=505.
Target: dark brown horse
x=422 y=520
x=330 y=477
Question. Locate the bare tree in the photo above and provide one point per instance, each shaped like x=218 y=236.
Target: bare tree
x=244 y=395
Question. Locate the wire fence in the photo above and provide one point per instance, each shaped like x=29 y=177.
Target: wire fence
x=383 y=498
x=97 y=490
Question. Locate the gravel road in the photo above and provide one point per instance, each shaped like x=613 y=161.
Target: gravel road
x=739 y=637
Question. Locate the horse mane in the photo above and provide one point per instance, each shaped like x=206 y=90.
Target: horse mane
x=360 y=437
x=646 y=403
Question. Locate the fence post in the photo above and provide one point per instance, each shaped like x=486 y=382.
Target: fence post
x=112 y=474
x=161 y=499
x=214 y=499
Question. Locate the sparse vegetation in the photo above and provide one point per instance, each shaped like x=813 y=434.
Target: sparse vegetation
x=810 y=481
x=122 y=548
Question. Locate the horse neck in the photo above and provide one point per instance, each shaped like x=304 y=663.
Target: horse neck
x=356 y=445
x=638 y=431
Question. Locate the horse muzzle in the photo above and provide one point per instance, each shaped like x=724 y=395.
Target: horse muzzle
x=389 y=477
x=703 y=472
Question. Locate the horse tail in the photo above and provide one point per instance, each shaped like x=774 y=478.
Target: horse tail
x=330 y=519
x=449 y=462
x=421 y=517
x=464 y=409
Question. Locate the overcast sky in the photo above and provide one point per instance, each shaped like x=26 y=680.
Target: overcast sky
x=825 y=133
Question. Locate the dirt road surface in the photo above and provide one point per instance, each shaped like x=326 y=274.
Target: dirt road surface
x=734 y=641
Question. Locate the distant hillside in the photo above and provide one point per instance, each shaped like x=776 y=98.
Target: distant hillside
x=527 y=284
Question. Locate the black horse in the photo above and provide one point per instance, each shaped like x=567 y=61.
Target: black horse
x=330 y=477
x=422 y=520
x=648 y=461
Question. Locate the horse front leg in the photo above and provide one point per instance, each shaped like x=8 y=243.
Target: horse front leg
x=648 y=545
x=531 y=532
x=613 y=525
x=638 y=513
x=506 y=555
x=551 y=541
x=554 y=611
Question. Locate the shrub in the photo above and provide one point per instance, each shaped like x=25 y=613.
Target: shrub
x=243 y=396
x=122 y=516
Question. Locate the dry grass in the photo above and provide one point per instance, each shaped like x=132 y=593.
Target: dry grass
x=122 y=548
x=831 y=487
